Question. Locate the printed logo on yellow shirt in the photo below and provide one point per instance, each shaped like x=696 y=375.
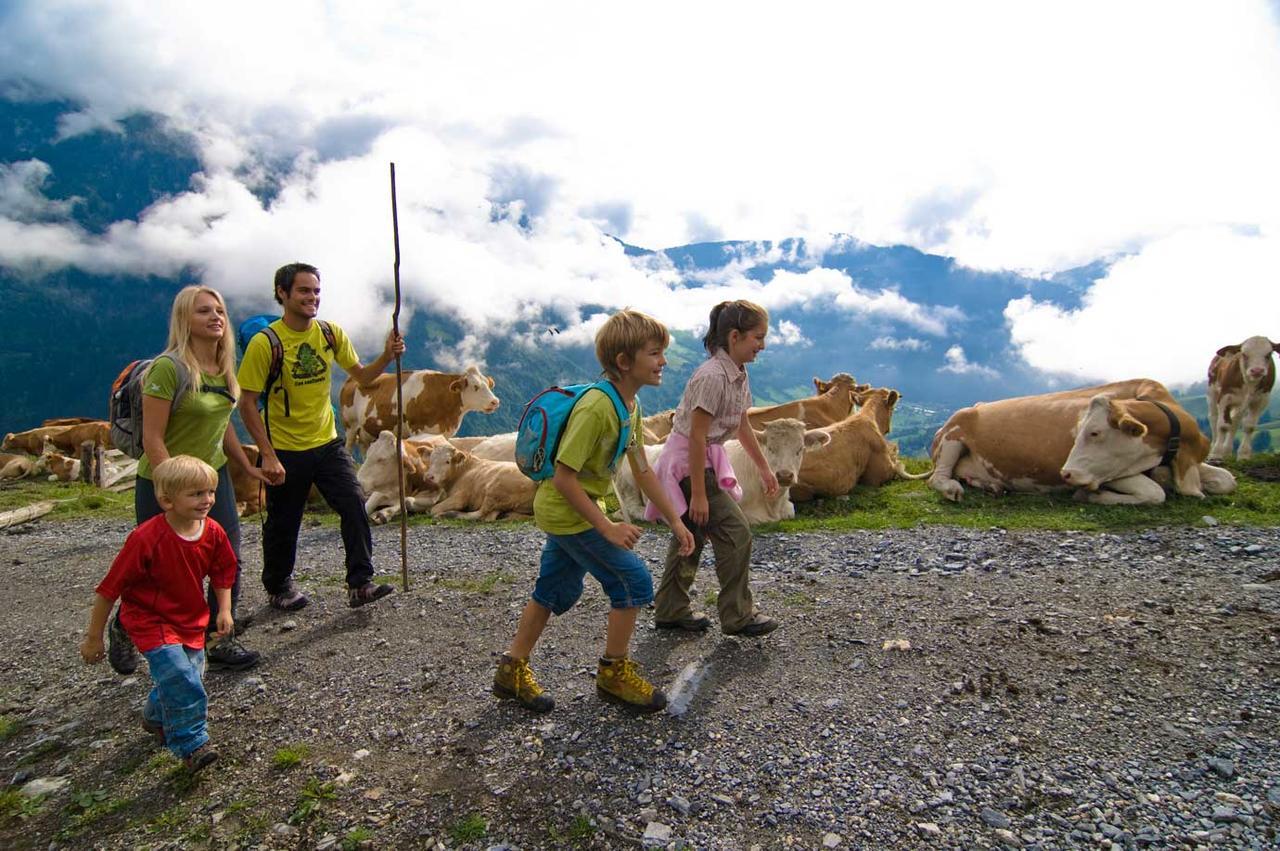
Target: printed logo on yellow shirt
x=309 y=368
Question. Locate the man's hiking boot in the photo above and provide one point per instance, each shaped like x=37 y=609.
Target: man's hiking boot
x=121 y=653
x=230 y=655
x=199 y=758
x=289 y=599
x=758 y=625
x=694 y=622
x=367 y=593
x=514 y=681
x=619 y=681
x=154 y=729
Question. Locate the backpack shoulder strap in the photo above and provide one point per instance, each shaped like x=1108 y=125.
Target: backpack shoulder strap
x=184 y=378
x=330 y=339
x=276 y=363
x=624 y=417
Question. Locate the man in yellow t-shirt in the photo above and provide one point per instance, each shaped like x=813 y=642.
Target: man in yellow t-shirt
x=298 y=440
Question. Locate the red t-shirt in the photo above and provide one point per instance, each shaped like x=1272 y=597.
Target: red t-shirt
x=159 y=576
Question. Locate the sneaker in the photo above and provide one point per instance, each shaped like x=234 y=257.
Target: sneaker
x=230 y=655
x=514 y=681
x=156 y=730
x=121 y=653
x=758 y=625
x=367 y=593
x=199 y=758
x=695 y=622
x=290 y=599
x=619 y=681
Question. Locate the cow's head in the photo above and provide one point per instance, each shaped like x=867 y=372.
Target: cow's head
x=843 y=380
x=1255 y=357
x=476 y=391
x=1109 y=445
x=784 y=443
x=878 y=404
x=379 y=470
x=443 y=464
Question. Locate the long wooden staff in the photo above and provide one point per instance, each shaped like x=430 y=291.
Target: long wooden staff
x=395 y=327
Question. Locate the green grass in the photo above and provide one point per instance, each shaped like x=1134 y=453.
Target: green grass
x=313 y=795
x=355 y=837
x=8 y=726
x=469 y=829
x=86 y=808
x=74 y=499
x=290 y=755
x=15 y=806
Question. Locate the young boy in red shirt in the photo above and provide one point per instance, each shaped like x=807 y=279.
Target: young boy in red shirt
x=159 y=576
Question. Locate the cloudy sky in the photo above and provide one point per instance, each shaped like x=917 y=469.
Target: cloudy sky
x=1033 y=137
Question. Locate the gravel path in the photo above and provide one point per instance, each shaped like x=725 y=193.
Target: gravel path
x=1060 y=690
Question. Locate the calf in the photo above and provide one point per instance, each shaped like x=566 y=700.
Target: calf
x=1240 y=382
x=59 y=467
x=379 y=474
x=477 y=488
x=658 y=426
x=434 y=403
x=856 y=454
x=833 y=403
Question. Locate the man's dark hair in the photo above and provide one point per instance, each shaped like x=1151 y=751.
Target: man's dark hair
x=285 y=275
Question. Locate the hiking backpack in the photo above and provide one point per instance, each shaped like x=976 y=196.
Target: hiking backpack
x=543 y=421
x=126 y=402
x=261 y=324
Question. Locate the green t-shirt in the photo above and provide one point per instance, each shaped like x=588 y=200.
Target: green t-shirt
x=306 y=377
x=589 y=441
x=199 y=422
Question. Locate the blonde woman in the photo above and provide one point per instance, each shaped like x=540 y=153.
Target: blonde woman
x=188 y=396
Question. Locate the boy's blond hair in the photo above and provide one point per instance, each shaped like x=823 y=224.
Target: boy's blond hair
x=173 y=475
x=625 y=333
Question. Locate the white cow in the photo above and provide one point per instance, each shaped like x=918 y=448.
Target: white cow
x=783 y=443
x=379 y=472
x=1240 y=382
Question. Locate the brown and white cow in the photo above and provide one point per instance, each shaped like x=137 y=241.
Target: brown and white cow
x=59 y=467
x=65 y=437
x=1092 y=438
x=834 y=402
x=1240 y=382
x=477 y=488
x=657 y=427
x=857 y=453
x=379 y=473
x=16 y=466
x=783 y=442
x=434 y=403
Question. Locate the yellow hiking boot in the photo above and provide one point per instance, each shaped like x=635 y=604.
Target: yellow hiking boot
x=619 y=681
x=514 y=681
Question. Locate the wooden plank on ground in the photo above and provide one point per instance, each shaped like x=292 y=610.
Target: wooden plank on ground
x=25 y=513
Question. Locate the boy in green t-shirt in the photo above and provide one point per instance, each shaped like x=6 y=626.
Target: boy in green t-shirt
x=581 y=539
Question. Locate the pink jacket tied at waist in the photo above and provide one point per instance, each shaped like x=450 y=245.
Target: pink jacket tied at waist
x=673 y=465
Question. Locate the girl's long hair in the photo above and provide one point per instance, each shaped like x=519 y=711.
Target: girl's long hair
x=179 y=345
x=740 y=315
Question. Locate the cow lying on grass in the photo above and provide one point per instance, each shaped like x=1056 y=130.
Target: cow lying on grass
x=833 y=402
x=474 y=488
x=379 y=473
x=16 y=466
x=1108 y=441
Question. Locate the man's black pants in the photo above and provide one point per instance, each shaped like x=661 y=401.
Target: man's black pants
x=332 y=471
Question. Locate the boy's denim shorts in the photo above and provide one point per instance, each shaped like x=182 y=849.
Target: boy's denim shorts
x=567 y=558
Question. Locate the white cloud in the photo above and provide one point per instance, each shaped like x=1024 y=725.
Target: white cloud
x=960 y=365
x=21 y=195
x=1161 y=313
x=788 y=333
x=908 y=344
x=1007 y=134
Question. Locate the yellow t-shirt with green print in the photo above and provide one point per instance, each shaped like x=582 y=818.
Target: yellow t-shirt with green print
x=299 y=412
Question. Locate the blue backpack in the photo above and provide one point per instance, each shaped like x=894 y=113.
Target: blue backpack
x=543 y=421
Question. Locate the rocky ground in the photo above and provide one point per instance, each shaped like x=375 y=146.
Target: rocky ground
x=1059 y=690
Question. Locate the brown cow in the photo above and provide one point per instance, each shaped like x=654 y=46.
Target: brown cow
x=1028 y=444
x=16 y=466
x=59 y=467
x=1240 y=382
x=857 y=453
x=65 y=437
x=434 y=403
x=477 y=488
x=833 y=403
x=379 y=474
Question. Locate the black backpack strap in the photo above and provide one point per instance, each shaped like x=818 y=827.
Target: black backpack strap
x=275 y=368
x=330 y=339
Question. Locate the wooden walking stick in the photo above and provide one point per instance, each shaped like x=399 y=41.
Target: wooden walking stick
x=395 y=327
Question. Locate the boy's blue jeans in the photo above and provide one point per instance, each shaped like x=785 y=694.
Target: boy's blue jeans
x=178 y=701
x=566 y=559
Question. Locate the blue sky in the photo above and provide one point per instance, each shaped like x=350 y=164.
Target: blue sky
x=1033 y=137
